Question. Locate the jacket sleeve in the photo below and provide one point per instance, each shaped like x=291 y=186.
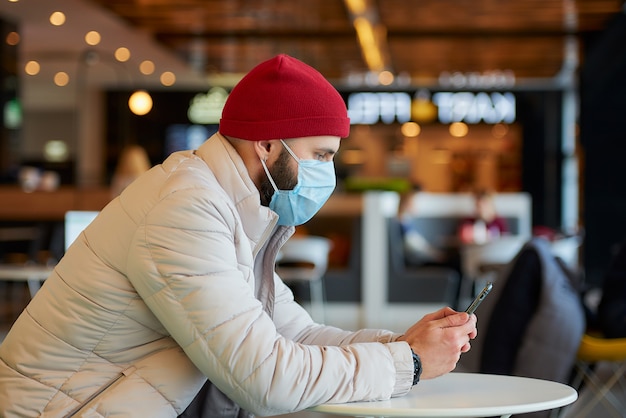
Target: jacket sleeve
x=293 y=322
x=186 y=267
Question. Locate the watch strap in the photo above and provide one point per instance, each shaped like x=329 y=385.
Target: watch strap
x=417 y=367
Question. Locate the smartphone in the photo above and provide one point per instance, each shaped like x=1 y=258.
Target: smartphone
x=483 y=293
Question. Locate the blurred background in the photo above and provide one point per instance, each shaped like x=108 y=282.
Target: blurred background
x=522 y=96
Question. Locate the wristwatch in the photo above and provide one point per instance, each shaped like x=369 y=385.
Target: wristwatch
x=417 y=368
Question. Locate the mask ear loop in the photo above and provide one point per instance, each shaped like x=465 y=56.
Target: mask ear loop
x=295 y=157
x=267 y=172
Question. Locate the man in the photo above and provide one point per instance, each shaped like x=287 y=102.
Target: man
x=171 y=292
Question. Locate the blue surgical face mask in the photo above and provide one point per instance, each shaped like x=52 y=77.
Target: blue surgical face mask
x=316 y=182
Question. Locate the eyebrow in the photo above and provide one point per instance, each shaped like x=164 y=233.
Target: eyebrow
x=330 y=151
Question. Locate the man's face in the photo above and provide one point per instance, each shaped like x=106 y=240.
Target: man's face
x=284 y=170
x=282 y=173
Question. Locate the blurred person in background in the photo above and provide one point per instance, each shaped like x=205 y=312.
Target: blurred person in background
x=486 y=224
x=133 y=162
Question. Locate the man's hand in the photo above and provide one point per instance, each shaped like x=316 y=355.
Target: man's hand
x=439 y=338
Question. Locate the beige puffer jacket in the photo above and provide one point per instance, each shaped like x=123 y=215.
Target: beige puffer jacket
x=163 y=290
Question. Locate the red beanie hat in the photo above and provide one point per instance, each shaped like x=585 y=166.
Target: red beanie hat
x=284 y=98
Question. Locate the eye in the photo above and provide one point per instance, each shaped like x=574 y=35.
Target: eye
x=325 y=155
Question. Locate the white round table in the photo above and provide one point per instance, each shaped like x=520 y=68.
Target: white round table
x=464 y=395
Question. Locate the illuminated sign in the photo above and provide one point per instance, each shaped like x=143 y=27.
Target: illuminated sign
x=207 y=108
x=474 y=108
x=368 y=108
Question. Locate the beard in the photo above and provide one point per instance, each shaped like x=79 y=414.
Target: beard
x=283 y=176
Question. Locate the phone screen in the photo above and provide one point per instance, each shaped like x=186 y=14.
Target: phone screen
x=477 y=301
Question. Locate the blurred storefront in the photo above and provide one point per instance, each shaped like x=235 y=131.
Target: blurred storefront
x=507 y=137
x=505 y=140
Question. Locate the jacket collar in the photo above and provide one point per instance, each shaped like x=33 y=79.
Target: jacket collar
x=232 y=174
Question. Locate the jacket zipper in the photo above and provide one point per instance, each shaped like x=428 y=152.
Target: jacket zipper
x=85 y=404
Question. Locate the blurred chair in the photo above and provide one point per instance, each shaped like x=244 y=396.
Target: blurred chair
x=23 y=247
x=532 y=321
x=20 y=241
x=482 y=262
x=305 y=259
x=417 y=283
x=591 y=352
x=476 y=259
x=32 y=272
x=567 y=249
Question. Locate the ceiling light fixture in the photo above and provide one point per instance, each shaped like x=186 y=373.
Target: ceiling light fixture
x=371 y=34
x=140 y=102
x=367 y=39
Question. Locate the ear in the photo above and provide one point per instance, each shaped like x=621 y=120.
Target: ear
x=263 y=148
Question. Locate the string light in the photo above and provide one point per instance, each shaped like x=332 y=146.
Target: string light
x=146 y=67
x=140 y=102
x=122 y=54
x=93 y=38
x=32 y=68
x=57 y=18
x=61 y=79
x=168 y=78
x=13 y=38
